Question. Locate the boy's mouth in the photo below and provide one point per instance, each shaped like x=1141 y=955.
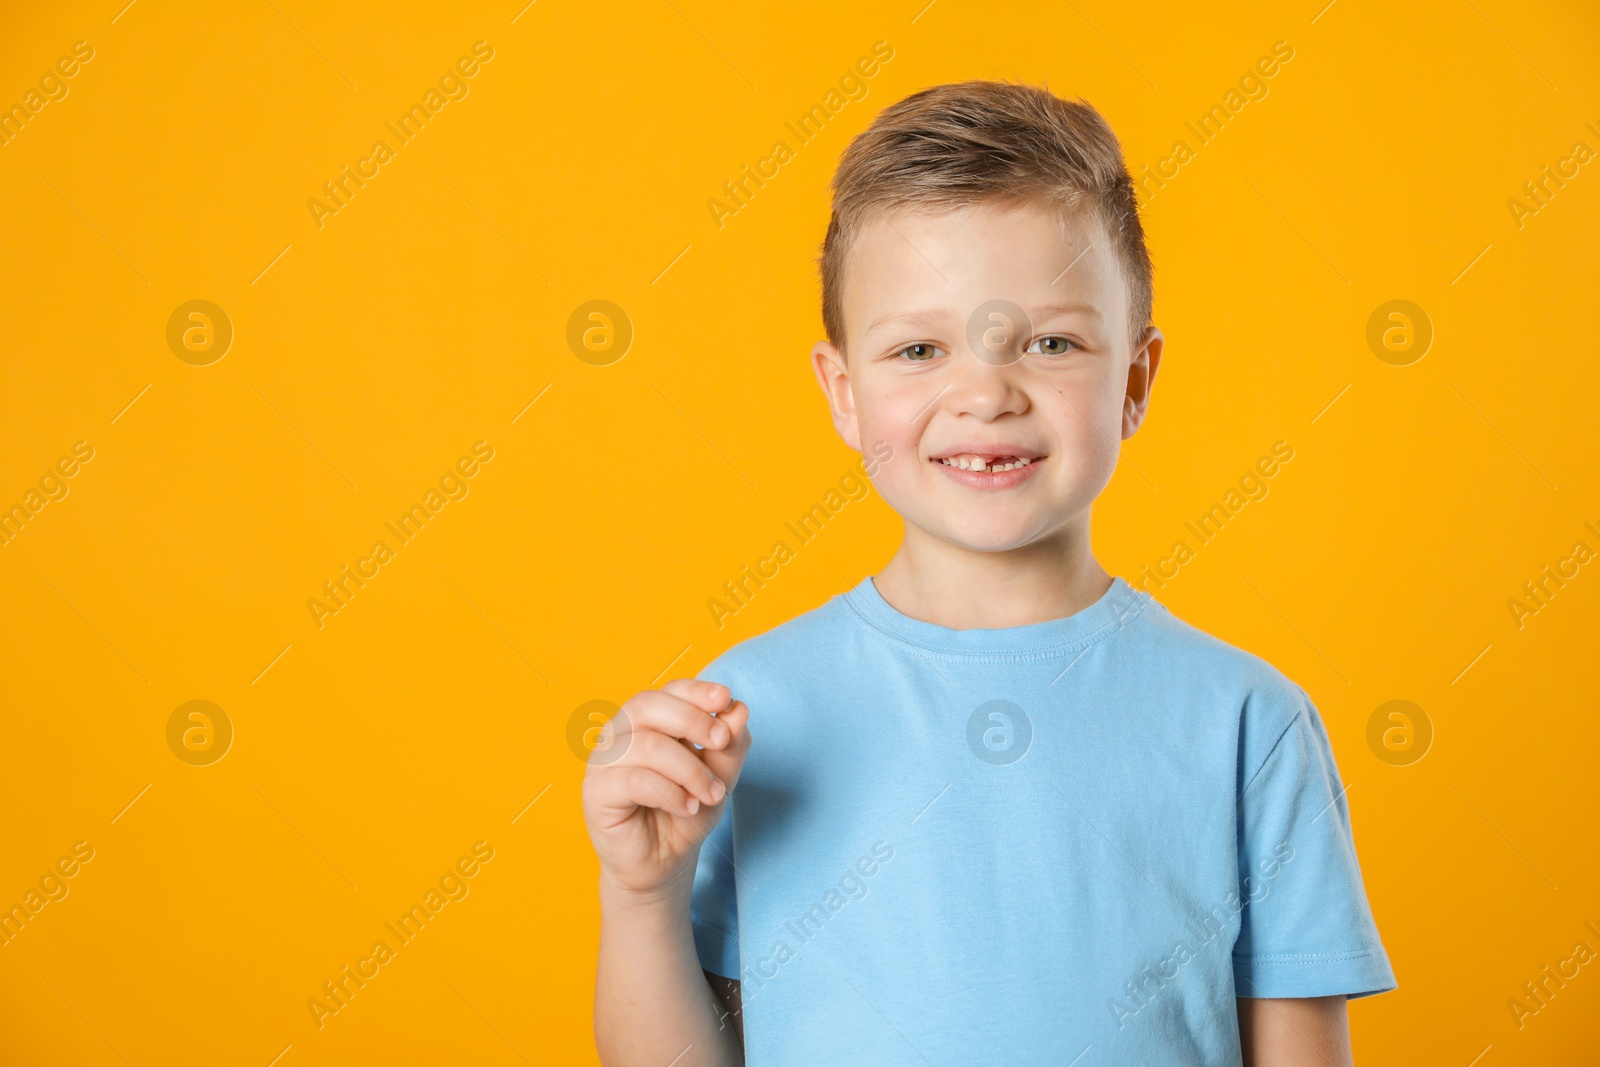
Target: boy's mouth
x=992 y=459
x=972 y=461
x=989 y=467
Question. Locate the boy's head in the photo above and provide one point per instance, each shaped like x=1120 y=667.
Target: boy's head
x=987 y=297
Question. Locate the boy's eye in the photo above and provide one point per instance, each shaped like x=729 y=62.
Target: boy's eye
x=1052 y=346
x=920 y=352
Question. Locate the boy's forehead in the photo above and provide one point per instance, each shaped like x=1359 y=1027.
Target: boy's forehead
x=911 y=263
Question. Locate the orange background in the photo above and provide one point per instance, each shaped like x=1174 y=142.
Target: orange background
x=371 y=353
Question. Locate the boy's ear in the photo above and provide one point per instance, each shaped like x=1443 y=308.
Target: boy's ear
x=1141 y=376
x=829 y=364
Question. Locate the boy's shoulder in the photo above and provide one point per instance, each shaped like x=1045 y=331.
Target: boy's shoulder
x=1188 y=648
x=1216 y=674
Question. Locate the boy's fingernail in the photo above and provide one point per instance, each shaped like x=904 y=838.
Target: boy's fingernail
x=718 y=790
x=719 y=734
x=693 y=805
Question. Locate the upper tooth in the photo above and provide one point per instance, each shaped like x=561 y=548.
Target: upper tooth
x=977 y=463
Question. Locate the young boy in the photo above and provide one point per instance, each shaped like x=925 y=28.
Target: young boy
x=998 y=806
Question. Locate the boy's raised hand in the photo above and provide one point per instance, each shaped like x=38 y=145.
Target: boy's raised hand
x=649 y=797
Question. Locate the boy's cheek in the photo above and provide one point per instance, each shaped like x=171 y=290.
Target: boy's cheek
x=897 y=483
x=899 y=446
x=1084 y=445
x=891 y=419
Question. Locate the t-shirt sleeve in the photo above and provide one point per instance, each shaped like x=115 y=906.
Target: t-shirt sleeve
x=713 y=906
x=1306 y=927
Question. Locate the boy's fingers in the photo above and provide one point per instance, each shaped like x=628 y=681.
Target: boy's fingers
x=634 y=786
x=707 y=696
x=676 y=761
x=727 y=762
x=672 y=715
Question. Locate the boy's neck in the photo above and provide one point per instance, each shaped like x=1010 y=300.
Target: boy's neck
x=934 y=581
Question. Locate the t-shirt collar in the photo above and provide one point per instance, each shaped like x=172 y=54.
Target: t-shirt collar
x=1116 y=608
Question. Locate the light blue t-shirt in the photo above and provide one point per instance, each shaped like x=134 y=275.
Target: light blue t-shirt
x=1072 y=842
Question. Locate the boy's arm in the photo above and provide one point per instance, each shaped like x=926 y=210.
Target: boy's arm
x=661 y=775
x=1294 y=1032
x=653 y=1004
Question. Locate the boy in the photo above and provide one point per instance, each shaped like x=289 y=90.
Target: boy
x=1001 y=808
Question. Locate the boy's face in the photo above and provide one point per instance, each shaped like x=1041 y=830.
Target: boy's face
x=934 y=375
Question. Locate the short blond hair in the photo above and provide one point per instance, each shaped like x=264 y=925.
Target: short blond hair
x=954 y=145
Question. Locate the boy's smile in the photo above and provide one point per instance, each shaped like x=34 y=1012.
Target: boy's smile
x=989 y=346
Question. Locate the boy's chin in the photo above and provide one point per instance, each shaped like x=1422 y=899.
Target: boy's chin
x=977 y=535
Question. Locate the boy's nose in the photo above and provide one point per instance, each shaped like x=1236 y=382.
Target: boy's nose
x=984 y=389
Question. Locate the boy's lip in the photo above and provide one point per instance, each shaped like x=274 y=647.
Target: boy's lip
x=988 y=451
x=1022 y=462
x=987 y=479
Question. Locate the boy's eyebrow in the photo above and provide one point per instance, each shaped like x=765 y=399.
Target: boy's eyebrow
x=1068 y=309
x=931 y=317
x=935 y=316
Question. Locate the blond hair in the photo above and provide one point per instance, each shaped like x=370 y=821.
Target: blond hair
x=954 y=145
